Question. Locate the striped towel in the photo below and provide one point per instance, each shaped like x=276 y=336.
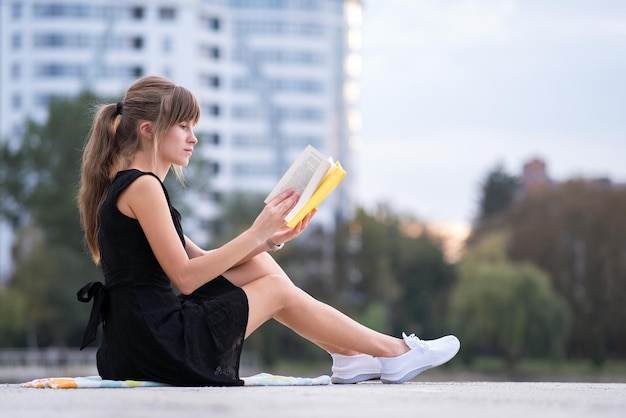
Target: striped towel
x=93 y=382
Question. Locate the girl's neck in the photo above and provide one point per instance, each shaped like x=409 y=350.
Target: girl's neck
x=141 y=161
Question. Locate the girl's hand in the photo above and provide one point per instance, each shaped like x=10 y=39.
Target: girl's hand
x=272 y=217
x=287 y=234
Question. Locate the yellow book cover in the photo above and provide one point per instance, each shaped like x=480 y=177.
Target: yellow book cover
x=314 y=177
x=328 y=184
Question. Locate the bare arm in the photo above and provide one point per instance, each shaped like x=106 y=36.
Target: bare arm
x=190 y=267
x=282 y=236
x=193 y=251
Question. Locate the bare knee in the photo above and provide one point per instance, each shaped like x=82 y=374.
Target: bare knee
x=277 y=289
x=284 y=288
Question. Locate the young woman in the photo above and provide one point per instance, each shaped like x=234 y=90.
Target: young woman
x=135 y=235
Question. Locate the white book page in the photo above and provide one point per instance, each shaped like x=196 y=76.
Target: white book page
x=308 y=192
x=309 y=167
x=304 y=176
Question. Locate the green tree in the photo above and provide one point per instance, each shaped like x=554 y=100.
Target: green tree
x=403 y=267
x=498 y=192
x=12 y=317
x=576 y=231
x=499 y=306
x=47 y=278
x=41 y=177
x=38 y=182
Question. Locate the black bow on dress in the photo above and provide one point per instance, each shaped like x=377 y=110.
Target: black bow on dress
x=97 y=292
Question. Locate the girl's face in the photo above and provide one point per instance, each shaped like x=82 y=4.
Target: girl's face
x=177 y=144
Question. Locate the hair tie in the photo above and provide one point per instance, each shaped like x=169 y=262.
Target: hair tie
x=119 y=108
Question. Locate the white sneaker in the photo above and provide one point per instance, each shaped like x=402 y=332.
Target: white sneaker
x=423 y=355
x=354 y=369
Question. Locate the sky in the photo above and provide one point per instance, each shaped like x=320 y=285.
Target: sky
x=452 y=88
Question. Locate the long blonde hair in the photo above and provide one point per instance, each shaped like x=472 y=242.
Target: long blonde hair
x=114 y=139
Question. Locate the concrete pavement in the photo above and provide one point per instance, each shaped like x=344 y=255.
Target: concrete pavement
x=419 y=398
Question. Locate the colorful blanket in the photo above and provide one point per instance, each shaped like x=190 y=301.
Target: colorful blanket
x=92 y=382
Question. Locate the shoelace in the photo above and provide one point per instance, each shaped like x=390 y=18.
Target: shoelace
x=413 y=341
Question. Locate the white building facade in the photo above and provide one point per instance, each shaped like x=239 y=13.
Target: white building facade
x=271 y=75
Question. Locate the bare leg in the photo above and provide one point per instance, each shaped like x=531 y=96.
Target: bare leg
x=272 y=295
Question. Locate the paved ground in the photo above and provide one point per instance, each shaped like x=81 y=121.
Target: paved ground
x=372 y=399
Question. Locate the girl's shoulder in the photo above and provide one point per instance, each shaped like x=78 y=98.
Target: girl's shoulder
x=123 y=179
x=130 y=175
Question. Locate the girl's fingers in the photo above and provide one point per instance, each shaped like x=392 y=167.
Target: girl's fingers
x=289 y=203
x=284 y=196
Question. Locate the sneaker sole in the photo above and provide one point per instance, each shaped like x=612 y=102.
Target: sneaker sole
x=355 y=379
x=410 y=375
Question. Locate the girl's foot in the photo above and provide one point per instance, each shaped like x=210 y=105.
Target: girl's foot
x=354 y=369
x=423 y=355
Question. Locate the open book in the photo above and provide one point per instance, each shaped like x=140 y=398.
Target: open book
x=311 y=175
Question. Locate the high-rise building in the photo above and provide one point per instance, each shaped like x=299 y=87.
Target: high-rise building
x=271 y=75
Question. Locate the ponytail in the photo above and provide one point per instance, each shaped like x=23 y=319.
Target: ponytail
x=100 y=156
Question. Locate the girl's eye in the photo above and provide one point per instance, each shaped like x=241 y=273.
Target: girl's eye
x=183 y=126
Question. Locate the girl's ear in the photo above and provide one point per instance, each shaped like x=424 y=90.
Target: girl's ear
x=145 y=129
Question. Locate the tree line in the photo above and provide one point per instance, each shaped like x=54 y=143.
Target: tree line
x=572 y=235
x=541 y=276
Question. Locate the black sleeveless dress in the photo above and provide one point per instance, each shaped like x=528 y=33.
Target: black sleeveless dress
x=150 y=333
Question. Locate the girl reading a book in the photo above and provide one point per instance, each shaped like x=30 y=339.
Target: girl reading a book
x=194 y=337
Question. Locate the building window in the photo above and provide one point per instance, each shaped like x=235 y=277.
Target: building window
x=16 y=101
x=259 y=4
x=19 y=129
x=137 y=42
x=278 y=27
x=212 y=81
x=241 y=83
x=307 y=114
x=167 y=13
x=42 y=100
x=16 y=41
x=214 y=167
x=295 y=57
x=243 y=112
x=213 y=23
x=58 y=40
x=62 y=10
x=310 y=5
x=252 y=169
x=137 y=13
x=53 y=40
x=57 y=70
x=16 y=71
x=253 y=140
x=137 y=71
x=250 y=141
x=254 y=27
x=310 y=29
x=300 y=86
x=211 y=52
x=215 y=138
x=16 y=10
x=292 y=113
x=212 y=109
x=211 y=138
x=166 y=45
